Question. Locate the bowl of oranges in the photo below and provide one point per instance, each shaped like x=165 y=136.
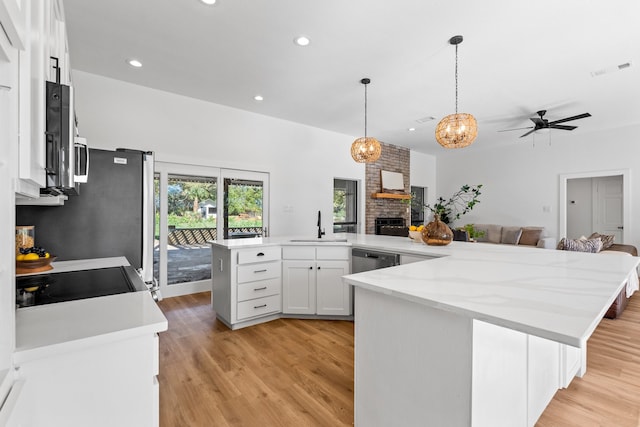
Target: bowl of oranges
x=32 y=260
x=415 y=233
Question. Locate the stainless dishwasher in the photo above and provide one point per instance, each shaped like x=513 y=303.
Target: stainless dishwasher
x=365 y=260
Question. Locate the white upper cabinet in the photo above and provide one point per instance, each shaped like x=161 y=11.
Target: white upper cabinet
x=44 y=23
x=13 y=16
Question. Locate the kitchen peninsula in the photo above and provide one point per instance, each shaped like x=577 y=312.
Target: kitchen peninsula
x=482 y=335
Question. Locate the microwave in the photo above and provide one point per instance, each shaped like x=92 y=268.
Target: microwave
x=67 y=158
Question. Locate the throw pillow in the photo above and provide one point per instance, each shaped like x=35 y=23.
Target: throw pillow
x=494 y=233
x=607 y=239
x=511 y=235
x=579 y=245
x=530 y=236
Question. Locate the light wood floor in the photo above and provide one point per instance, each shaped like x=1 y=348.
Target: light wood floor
x=300 y=372
x=282 y=373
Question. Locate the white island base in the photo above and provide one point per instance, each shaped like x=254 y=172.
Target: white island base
x=417 y=365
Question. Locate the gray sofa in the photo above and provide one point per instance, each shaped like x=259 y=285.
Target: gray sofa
x=515 y=235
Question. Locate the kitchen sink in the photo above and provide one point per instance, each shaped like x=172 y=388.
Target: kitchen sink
x=316 y=240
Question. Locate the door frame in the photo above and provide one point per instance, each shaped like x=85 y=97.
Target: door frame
x=626 y=197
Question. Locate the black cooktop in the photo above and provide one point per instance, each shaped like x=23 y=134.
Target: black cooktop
x=72 y=285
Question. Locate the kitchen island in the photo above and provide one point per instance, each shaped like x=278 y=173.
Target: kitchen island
x=91 y=361
x=483 y=337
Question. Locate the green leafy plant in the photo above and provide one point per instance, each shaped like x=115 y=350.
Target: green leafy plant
x=472 y=232
x=460 y=203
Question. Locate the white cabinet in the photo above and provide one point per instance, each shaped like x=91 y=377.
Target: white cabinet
x=33 y=67
x=9 y=391
x=333 y=297
x=109 y=384
x=42 y=22
x=516 y=374
x=299 y=287
x=246 y=284
x=312 y=280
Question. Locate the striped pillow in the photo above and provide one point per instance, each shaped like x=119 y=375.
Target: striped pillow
x=580 y=245
x=607 y=239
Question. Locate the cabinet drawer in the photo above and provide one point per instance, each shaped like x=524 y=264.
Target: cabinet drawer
x=262 y=288
x=262 y=271
x=247 y=256
x=299 y=252
x=260 y=306
x=333 y=252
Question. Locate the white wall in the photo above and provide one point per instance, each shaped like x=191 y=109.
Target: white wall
x=521 y=179
x=301 y=160
x=423 y=173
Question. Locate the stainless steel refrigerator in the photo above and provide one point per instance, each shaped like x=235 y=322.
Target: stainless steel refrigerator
x=111 y=216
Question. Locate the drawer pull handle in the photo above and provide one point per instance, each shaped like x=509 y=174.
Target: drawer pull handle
x=260 y=289
x=260 y=254
x=259 y=306
x=260 y=271
x=310 y=268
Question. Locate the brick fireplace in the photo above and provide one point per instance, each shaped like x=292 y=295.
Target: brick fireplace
x=392 y=159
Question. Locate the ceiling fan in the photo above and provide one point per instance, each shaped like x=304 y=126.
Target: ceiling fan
x=542 y=123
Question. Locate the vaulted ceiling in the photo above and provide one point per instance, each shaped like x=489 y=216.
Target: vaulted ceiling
x=516 y=58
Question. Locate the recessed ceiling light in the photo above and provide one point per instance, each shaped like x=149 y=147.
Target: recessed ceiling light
x=134 y=63
x=411 y=129
x=258 y=98
x=302 y=41
x=208 y=2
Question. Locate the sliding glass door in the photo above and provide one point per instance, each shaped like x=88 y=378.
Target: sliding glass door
x=195 y=205
x=186 y=220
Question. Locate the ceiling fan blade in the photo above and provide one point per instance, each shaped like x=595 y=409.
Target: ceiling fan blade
x=530 y=132
x=508 y=130
x=563 y=127
x=568 y=119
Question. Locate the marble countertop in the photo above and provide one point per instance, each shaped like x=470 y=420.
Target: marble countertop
x=558 y=295
x=72 y=325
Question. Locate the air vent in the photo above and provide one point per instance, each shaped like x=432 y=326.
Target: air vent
x=610 y=69
x=425 y=119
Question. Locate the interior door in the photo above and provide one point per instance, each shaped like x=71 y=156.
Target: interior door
x=245 y=197
x=608 y=210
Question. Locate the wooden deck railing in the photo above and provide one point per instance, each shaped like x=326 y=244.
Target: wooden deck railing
x=200 y=236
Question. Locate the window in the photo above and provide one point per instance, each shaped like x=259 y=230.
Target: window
x=243 y=212
x=345 y=206
x=418 y=195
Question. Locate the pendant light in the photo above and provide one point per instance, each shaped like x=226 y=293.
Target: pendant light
x=460 y=129
x=365 y=149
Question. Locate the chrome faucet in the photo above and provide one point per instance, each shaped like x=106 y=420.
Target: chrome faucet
x=320 y=232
